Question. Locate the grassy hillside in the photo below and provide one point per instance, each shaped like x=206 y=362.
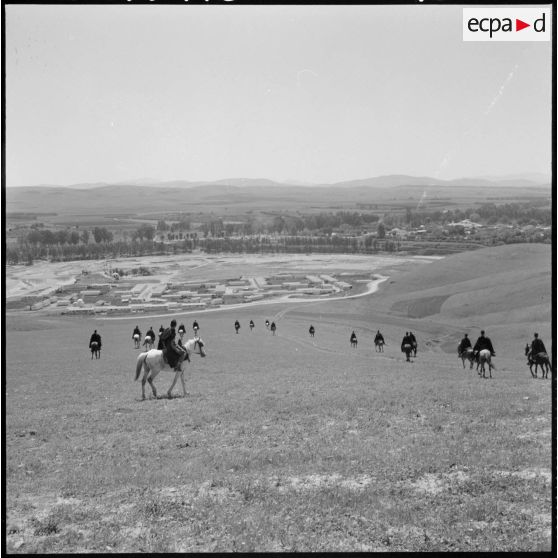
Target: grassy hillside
x=284 y=443
x=292 y=443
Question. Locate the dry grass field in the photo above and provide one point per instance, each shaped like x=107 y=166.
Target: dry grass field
x=292 y=443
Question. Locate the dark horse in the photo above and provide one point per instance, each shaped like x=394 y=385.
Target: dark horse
x=95 y=349
x=407 y=348
x=466 y=354
x=540 y=359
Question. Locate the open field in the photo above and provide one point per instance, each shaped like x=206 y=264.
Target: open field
x=287 y=443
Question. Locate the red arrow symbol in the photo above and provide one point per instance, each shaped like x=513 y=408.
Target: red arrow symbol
x=519 y=25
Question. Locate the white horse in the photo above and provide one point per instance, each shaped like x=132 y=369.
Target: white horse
x=148 y=342
x=137 y=338
x=485 y=357
x=153 y=362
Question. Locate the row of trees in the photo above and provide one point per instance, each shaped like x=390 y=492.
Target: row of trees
x=26 y=253
x=46 y=237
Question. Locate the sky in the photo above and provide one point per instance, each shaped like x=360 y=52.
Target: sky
x=310 y=94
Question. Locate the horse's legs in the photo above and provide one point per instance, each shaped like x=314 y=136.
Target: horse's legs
x=143 y=380
x=178 y=373
x=183 y=384
x=150 y=380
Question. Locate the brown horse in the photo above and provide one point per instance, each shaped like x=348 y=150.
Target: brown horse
x=539 y=359
x=95 y=349
x=467 y=354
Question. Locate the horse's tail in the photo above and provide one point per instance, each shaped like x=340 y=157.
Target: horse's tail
x=139 y=363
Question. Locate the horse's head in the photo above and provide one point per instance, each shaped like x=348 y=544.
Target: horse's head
x=200 y=345
x=527 y=349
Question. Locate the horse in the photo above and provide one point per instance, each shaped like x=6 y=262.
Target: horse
x=539 y=359
x=148 y=342
x=153 y=362
x=267 y=324
x=312 y=331
x=137 y=338
x=484 y=358
x=273 y=328
x=251 y=325
x=353 y=340
x=236 y=326
x=95 y=349
x=466 y=354
x=407 y=348
x=379 y=345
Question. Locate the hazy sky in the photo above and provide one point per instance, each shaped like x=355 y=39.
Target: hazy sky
x=310 y=93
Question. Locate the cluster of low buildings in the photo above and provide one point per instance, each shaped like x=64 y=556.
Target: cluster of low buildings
x=115 y=295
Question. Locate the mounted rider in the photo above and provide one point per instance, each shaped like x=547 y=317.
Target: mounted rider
x=136 y=332
x=379 y=337
x=95 y=338
x=237 y=325
x=407 y=345
x=464 y=344
x=172 y=353
x=151 y=333
x=482 y=344
x=537 y=346
x=353 y=338
x=311 y=330
x=195 y=327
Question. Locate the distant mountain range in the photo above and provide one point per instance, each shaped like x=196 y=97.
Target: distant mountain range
x=392 y=180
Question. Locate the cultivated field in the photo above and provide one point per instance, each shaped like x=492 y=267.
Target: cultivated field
x=288 y=443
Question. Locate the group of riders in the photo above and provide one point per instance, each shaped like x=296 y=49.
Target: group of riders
x=272 y=326
x=536 y=348
x=173 y=351
x=482 y=343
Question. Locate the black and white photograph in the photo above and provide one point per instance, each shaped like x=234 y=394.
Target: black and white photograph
x=278 y=277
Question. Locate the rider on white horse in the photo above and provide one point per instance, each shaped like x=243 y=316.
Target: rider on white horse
x=483 y=343
x=464 y=344
x=95 y=338
x=172 y=353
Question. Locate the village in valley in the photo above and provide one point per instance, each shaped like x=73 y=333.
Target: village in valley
x=109 y=293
